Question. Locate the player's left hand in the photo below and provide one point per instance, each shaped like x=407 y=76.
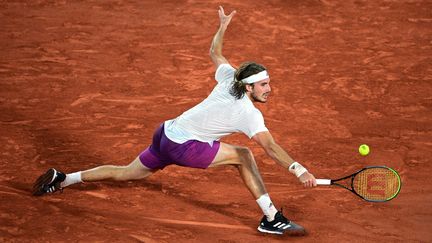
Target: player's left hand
x=308 y=180
x=225 y=19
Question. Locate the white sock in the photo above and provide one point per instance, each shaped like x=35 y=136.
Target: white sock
x=71 y=179
x=267 y=206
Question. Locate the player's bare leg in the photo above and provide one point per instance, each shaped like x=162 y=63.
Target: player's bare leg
x=53 y=180
x=243 y=159
x=273 y=222
x=134 y=171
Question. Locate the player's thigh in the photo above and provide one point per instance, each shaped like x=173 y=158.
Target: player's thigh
x=136 y=169
x=230 y=155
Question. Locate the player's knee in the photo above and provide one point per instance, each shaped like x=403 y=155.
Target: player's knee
x=124 y=173
x=246 y=155
x=118 y=173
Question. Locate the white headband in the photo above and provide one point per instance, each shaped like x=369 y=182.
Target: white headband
x=256 y=77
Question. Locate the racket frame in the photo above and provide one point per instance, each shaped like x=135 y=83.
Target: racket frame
x=333 y=182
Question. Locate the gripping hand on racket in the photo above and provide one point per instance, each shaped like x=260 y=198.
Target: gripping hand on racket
x=308 y=180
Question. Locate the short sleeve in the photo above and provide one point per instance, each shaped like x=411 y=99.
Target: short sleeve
x=224 y=73
x=254 y=124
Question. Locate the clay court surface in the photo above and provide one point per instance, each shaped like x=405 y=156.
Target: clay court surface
x=85 y=83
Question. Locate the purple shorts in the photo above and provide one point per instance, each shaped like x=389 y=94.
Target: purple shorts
x=163 y=152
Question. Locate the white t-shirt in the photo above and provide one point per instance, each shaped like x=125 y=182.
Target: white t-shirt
x=219 y=115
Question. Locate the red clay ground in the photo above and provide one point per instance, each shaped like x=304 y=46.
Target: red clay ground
x=85 y=83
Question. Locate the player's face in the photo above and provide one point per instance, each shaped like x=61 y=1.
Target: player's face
x=260 y=91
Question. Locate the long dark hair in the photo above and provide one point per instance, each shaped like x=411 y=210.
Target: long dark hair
x=246 y=69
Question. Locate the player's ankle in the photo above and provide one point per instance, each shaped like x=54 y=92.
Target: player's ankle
x=271 y=215
x=267 y=206
x=71 y=179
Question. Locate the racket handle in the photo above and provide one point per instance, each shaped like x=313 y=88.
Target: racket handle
x=323 y=182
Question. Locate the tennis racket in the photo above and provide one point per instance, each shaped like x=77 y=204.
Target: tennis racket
x=373 y=183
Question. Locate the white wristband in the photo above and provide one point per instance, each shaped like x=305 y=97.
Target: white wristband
x=297 y=169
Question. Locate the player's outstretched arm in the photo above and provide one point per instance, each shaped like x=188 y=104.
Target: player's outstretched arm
x=216 y=45
x=278 y=154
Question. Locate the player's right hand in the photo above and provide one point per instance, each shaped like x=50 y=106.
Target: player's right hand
x=308 y=180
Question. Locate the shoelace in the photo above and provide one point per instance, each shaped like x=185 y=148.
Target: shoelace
x=285 y=220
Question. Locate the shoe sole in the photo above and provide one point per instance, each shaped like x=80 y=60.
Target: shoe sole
x=44 y=179
x=269 y=232
x=292 y=232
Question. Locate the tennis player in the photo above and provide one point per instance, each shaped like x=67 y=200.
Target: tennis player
x=192 y=139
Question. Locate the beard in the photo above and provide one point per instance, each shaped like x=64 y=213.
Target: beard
x=259 y=99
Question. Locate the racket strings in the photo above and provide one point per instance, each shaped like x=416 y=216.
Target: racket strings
x=377 y=184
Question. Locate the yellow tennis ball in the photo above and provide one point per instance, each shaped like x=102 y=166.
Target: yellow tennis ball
x=364 y=149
